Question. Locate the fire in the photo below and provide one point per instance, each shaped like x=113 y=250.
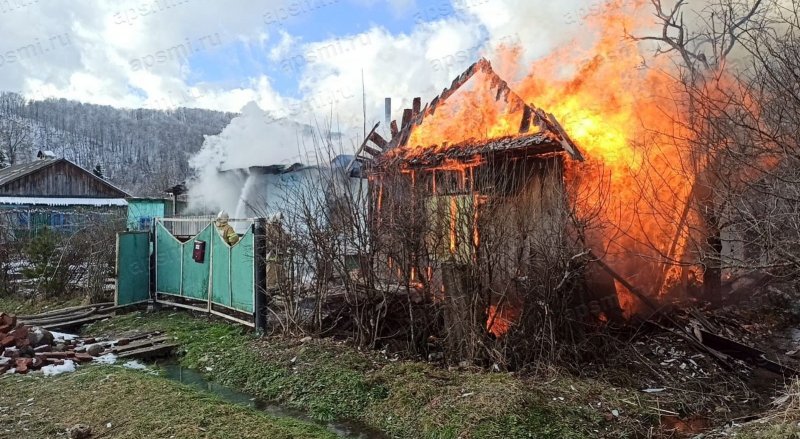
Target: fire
x=500 y=319
x=627 y=301
x=628 y=123
x=472 y=113
x=638 y=176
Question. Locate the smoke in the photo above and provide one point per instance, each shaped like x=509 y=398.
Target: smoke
x=254 y=138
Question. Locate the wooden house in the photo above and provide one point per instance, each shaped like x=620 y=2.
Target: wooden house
x=468 y=216
x=55 y=193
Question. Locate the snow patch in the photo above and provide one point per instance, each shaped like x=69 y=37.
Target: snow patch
x=135 y=365
x=63 y=336
x=106 y=359
x=51 y=370
x=43 y=201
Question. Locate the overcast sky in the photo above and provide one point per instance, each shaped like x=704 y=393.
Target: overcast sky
x=293 y=57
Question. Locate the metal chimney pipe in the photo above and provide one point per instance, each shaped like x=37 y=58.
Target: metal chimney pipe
x=388 y=111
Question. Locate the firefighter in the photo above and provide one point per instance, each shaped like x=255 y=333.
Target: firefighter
x=225 y=230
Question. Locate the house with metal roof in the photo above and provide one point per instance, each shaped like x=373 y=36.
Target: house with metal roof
x=56 y=193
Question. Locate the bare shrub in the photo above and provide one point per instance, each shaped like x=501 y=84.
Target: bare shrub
x=78 y=258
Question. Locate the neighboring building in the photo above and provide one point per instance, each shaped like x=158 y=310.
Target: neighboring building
x=180 y=198
x=55 y=193
x=142 y=212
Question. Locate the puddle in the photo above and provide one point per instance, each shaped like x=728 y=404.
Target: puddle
x=192 y=378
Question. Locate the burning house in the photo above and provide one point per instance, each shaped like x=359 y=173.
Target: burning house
x=469 y=215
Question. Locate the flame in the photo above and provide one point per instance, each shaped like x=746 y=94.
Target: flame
x=627 y=301
x=496 y=323
x=616 y=111
x=639 y=174
x=471 y=113
x=502 y=315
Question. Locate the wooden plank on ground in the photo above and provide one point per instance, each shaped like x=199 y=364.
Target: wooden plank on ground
x=76 y=323
x=145 y=335
x=140 y=344
x=149 y=351
x=64 y=311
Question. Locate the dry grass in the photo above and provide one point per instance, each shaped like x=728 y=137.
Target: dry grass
x=14 y=304
x=119 y=403
x=781 y=422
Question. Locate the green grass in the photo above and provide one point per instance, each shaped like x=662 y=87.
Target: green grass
x=328 y=386
x=119 y=403
x=334 y=381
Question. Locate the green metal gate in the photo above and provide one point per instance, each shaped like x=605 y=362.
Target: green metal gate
x=229 y=281
x=225 y=283
x=133 y=268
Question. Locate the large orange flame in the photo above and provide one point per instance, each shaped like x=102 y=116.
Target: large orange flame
x=623 y=114
x=472 y=113
x=625 y=118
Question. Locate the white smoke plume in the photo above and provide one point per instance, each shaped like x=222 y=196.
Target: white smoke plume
x=254 y=138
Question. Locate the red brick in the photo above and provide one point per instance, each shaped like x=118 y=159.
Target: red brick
x=8 y=341
x=83 y=358
x=58 y=355
x=123 y=342
x=20 y=333
x=22 y=365
x=8 y=320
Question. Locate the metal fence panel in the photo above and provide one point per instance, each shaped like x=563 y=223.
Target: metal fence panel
x=226 y=278
x=221 y=272
x=168 y=262
x=133 y=268
x=243 y=273
x=194 y=276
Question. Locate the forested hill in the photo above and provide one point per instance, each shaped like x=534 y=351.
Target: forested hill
x=142 y=151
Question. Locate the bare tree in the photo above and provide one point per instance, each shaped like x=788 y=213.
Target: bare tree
x=15 y=138
x=706 y=45
x=703 y=43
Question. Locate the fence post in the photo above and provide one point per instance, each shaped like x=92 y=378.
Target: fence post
x=153 y=260
x=260 y=253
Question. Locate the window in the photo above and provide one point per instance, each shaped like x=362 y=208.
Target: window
x=145 y=223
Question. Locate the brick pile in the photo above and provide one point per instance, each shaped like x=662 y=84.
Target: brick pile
x=29 y=348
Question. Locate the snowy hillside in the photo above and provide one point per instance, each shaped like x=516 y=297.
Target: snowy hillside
x=143 y=151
